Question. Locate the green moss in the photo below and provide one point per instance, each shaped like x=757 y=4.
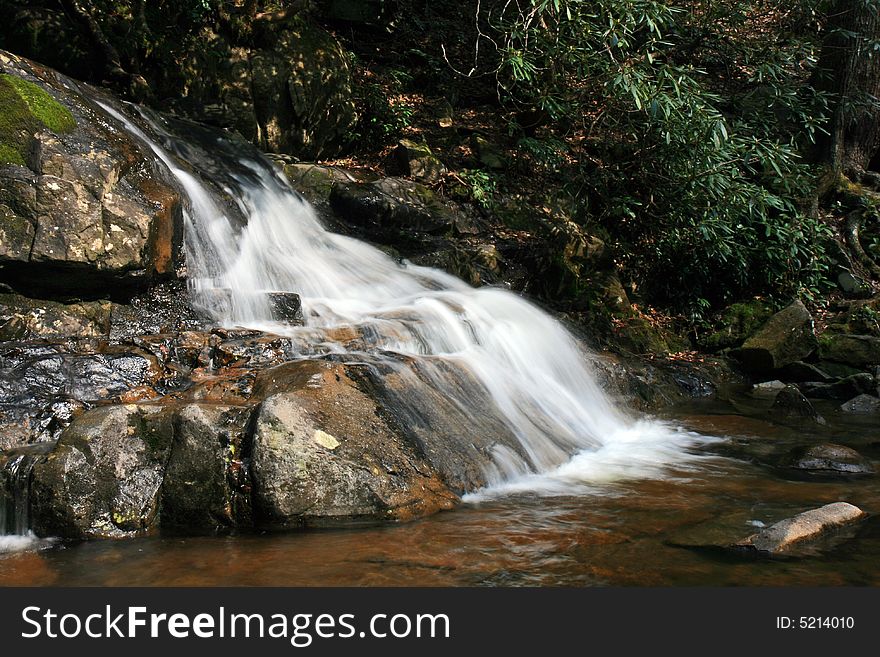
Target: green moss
x=25 y=109
x=46 y=109
x=737 y=323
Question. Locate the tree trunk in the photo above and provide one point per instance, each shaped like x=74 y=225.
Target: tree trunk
x=849 y=68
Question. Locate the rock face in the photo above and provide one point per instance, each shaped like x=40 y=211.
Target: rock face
x=787 y=337
x=781 y=537
x=80 y=205
x=287 y=89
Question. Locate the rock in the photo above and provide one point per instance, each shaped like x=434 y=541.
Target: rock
x=445 y=114
x=164 y=308
x=82 y=210
x=417 y=161
x=863 y=404
x=286 y=307
x=320 y=463
x=488 y=155
x=285 y=87
x=829 y=459
x=737 y=323
x=206 y=484
x=315 y=181
x=855 y=350
x=784 y=535
x=478 y=264
x=790 y=403
x=43 y=386
x=22 y=318
x=393 y=209
x=847 y=388
x=787 y=337
x=852 y=286
x=800 y=372
x=768 y=388
x=103 y=479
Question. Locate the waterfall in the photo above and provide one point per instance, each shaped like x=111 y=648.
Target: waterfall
x=534 y=373
x=15 y=489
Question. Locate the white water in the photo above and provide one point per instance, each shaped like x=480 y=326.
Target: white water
x=534 y=371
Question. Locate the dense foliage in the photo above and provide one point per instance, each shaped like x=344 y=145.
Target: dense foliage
x=687 y=124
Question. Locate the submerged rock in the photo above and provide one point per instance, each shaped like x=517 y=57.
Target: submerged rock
x=787 y=337
x=829 y=459
x=786 y=534
x=790 y=403
x=846 y=388
x=865 y=404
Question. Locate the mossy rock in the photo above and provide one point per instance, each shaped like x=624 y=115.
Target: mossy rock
x=25 y=109
x=737 y=323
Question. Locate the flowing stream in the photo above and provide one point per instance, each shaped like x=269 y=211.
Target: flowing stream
x=583 y=493
x=535 y=374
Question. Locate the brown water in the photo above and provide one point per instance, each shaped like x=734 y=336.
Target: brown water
x=630 y=533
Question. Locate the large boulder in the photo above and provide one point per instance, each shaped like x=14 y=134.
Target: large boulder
x=82 y=205
x=323 y=453
x=787 y=337
x=104 y=477
x=853 y=350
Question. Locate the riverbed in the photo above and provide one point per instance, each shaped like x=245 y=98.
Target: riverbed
x=662 y=531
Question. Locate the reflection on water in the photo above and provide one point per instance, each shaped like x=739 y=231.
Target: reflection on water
x=624 y=534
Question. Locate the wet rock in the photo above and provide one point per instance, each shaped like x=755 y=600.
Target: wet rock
x=787 y=337
x=790 y=403
x=286 y=307
x=417 y=161
x=786 y=534
x=87 y=197
x=863 y=404
x=22 y=318
x=44 y=385
x=165 y=308
x=847 y=388
x=829 y=459
x=103 y=479
x=320 y=463
x=854 y=350
x=206 y=485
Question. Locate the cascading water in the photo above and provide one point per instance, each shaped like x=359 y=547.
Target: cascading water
x=533 y=372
